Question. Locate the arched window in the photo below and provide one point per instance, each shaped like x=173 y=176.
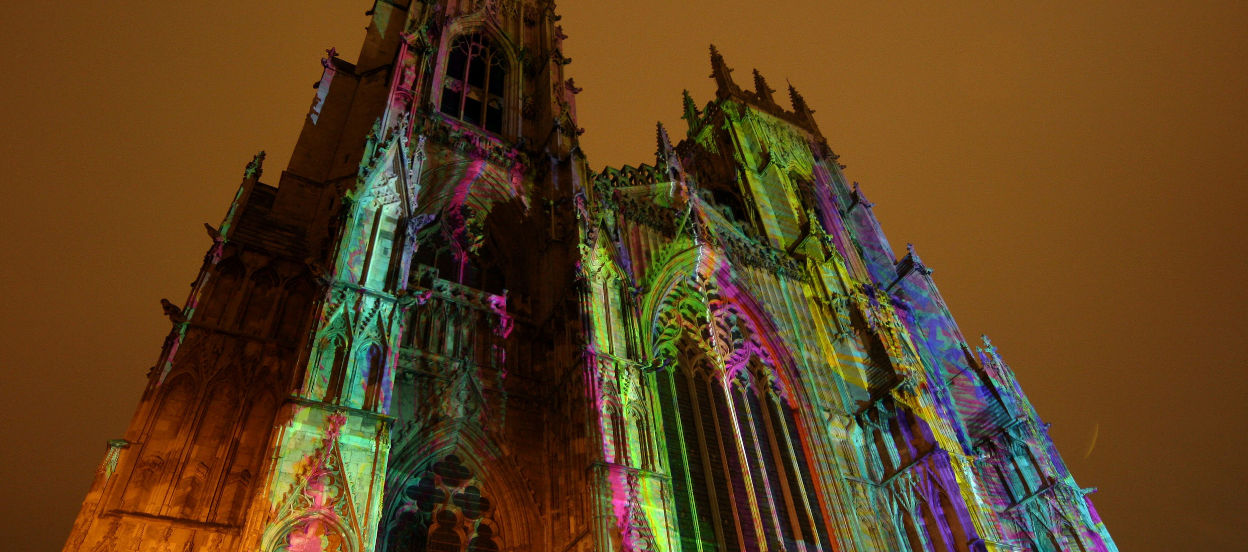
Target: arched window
x=229 y=277
x=160 y=446
x=384 y=229
x=192 y=495
x=260 y=303
x=808 y=505
x=730 y=446
x=299 y=295
x=248 y=458
x=440 y=510
x=472 y=89
x=643 y=444
x=618 y=437
x=371 y=253
x=326 y=382
x=759 y=459
x=376 y=368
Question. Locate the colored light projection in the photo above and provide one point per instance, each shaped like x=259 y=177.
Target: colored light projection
x=807 y=387
x=458 y=338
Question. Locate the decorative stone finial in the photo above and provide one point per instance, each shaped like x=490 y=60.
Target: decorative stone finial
x=721 y=73
x=915 y=261
x=256 y=167
x=664 y=142
x=761 y=89
x=799 y=103
x=987 y=342
x=691 y=109
x=991 y=349
x=330 y=55
x=666 y=155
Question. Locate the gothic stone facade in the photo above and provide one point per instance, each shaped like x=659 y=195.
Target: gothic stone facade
x=441 y=331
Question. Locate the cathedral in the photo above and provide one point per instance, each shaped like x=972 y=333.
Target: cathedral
x=438 y=329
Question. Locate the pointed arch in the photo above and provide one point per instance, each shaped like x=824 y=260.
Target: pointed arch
x=328 y=370
x=475 y=82
x=481 y=22
x=299 y=295
x=214 y=425
x=605 y=255
x=610 y=311
x=261 y=300
x=215 y=309
x=676 y=300
x=367 y=359
x=378 y=205
x=163 y=437
x=248 y=459
x=374 y=364
x=615 y=434
x=639 y=423
x=695 y=294
x=472 y=183
x=319 y=511
x=313 y=524
x=500 y=480
x=462 y=193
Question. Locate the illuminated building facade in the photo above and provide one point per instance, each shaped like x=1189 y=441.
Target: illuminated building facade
x=441 y=331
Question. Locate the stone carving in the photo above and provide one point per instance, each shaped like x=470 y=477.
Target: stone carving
x=650 y=356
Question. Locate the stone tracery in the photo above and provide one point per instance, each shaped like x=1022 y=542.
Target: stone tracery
x=457 y=337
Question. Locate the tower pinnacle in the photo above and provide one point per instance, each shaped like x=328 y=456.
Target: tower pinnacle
x=762 y=90
x=691 y=116
x=722 y=74
x=438 y=320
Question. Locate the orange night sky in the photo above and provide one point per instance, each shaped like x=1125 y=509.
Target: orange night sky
x=1075 y=172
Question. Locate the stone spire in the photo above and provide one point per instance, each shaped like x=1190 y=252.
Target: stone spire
x=721 y=73
x=799 y=104
x=804 y=113
x=665 y=155
x=760 y=87
x=692 y=116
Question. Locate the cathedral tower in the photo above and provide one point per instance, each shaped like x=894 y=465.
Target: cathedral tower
x=441 y=331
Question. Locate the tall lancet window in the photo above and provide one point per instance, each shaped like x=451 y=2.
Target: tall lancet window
x=472 y=89
x=740 y=474
x=383 y=230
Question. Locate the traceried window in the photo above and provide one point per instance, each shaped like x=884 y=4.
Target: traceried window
x=443 y=510
x=730 y=446
x=472 y=89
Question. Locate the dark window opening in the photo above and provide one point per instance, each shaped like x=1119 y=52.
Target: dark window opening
x=472 y=90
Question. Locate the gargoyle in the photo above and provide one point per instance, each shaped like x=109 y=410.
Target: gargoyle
x=174 y=313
